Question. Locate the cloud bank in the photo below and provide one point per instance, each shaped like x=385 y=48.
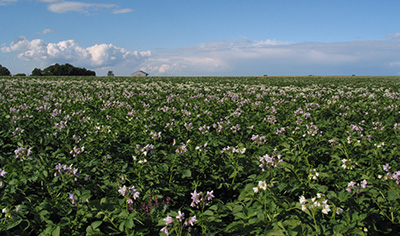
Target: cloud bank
x=224 y=58
x=68 y=51
x=272 y=57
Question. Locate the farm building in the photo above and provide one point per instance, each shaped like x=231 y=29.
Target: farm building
x=139 y=73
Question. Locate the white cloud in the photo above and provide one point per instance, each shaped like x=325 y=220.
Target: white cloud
x=67 y=6
x=96 y=56
x=122 y=11
x=6 y=2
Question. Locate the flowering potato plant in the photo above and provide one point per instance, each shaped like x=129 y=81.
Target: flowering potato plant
x=199 y=156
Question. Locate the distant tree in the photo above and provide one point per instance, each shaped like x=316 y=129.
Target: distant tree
x=37 y=72
x=110 y=73
x=20 y=74
x=4 y=71
x=66 y=70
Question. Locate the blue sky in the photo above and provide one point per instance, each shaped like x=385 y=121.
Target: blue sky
x=201 y=38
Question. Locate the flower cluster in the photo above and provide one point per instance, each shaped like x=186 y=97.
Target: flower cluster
x=145 y=149
x=358 y=186
x=280 y=131
x=75 y=151
x=179 y=219
x=18 y=131
x=155 y=135
x=262 y=185
x=270 y=161
x=3 y=174
x=204 y=129
x=140 y=161
x=318 y=202
x=257 y=139
x=198 y=198
x=23 y=153
x=235 y=128
x=313 y=174
x=188 y=126
x=349 y=164
x=312 y=130
x=128 y=193
x=181 y=149
x=201 y=148
x=68 y=170
x=389 y=175
x=234 y=149
x=270 y=119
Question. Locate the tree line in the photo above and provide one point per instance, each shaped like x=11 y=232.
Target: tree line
x=53 y=70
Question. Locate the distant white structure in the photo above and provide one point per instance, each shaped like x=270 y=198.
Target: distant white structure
x=139 y=73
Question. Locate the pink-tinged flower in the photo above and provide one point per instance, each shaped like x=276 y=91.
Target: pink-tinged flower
x=364 y=183
x=132 y=190
x=136 y=195
x=348 y=190
x=191 y=221
x=122 y=190
x=351 y=184
x=210 y=195
x=129 y=201
x=165 y=230
x=196 y=197
x=180 y=216
x=386 y=167
x=169 y=220
x=72 y=197
x=3 y=173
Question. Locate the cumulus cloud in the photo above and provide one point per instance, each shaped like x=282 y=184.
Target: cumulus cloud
x=248 y=57
x=96 y=56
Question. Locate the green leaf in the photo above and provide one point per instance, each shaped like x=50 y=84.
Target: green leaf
x=393 y=196
x=186 y=173
x=96 y=224
x=56 y=231
x=208 y=213
x=274 y=232
x=13 y=223
x=129 y=223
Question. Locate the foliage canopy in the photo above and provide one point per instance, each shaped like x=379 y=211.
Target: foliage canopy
x=63 y=70
x=4 y=71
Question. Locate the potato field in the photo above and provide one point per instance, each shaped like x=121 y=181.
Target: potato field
x=200 y=155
